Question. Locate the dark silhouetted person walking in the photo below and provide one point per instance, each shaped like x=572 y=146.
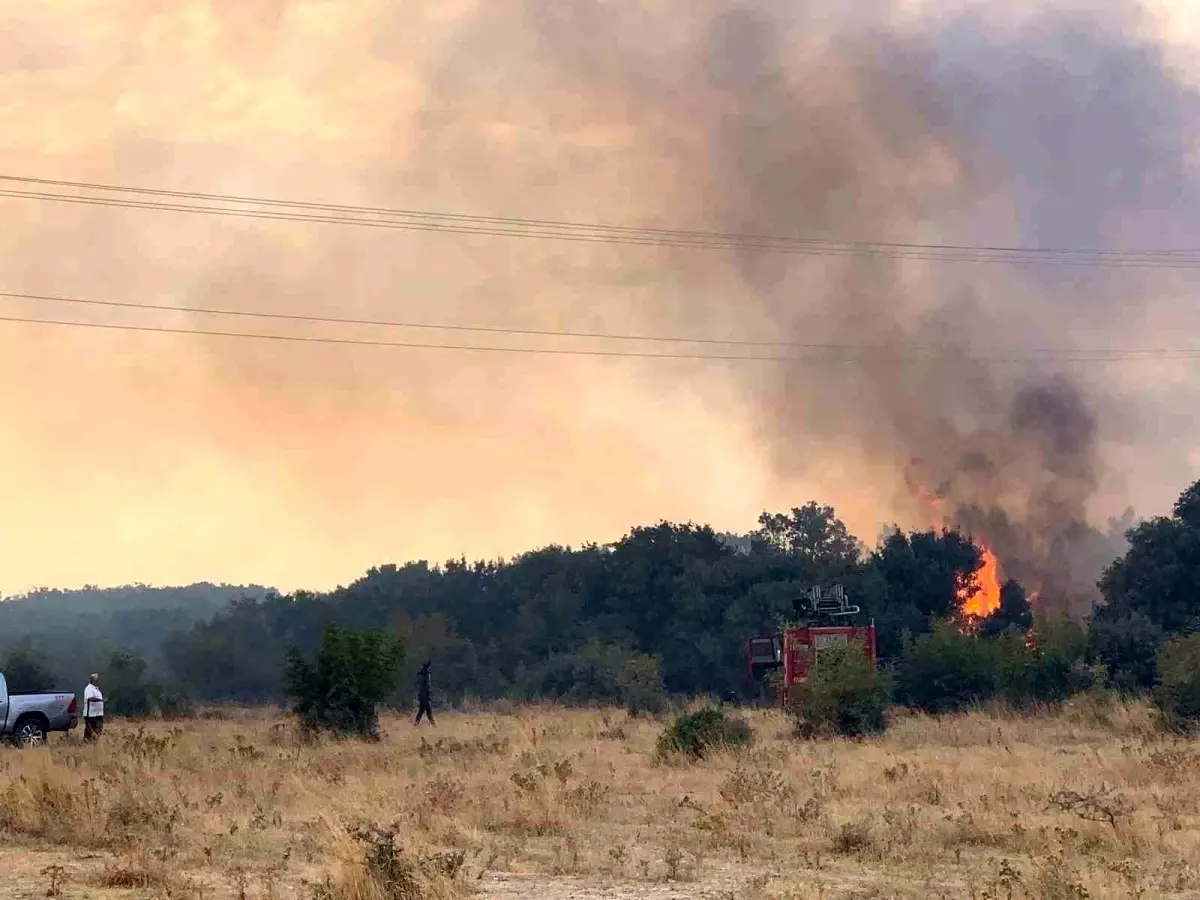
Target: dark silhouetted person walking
x=424 y=708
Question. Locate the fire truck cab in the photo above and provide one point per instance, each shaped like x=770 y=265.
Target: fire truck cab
x=797 y=651
x=763 y=655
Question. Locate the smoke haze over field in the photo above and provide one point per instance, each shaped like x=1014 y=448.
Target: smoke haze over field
x=160 y=458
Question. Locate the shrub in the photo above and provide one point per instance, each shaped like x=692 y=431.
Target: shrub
x=640 y=679
x=599 y=674
x=1177 y=694
x=1127 y=645
x=384 y=871
x=340 y=691
x=846 y=695
x=573 y=679
x=125 y=693
x=946 y=671
x=695 y=734
x=1047 y=666
x=173 y=703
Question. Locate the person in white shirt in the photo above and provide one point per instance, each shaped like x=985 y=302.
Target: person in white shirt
x=93 y=709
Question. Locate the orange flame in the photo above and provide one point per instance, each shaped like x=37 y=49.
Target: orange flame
x=986 y=600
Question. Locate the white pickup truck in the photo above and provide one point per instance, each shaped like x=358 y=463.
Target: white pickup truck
x=26 y=718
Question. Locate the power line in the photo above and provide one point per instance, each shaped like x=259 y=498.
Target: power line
x=410 y=345
x=532 y=332
x=472 y=229
x=550 y=223
x=1148 y=356
x=842 y=251
x=392 y=323
x=458 y=223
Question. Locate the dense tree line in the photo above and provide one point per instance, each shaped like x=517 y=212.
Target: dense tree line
x=584 y=624
x=667 y=608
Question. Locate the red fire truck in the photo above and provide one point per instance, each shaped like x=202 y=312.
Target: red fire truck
x=797 y=650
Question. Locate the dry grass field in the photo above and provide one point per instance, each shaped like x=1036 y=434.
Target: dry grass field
x=1088 y=801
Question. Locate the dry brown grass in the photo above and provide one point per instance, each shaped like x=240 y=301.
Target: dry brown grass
x=1087 y=801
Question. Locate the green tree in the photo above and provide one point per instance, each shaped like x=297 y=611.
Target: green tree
x=812 y=534
x=1177 y=694
x=1159 y=576
x=1151 y=593
x=946 y=671
x=1013 y=614
x=1127 y=646
x=642 y=689
x=26 y=670
x=125 y=692
x=341 y=689
x=845 y=695
x=914 y=580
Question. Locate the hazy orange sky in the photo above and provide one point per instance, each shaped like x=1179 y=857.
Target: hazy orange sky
x=165 y=459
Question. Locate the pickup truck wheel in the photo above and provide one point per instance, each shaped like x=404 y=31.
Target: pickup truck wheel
x=29 y=733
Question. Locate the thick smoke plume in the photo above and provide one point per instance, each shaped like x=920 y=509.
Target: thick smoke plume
x=1049 y=129
x=929 y=391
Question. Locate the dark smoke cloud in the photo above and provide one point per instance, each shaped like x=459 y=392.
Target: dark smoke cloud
x=134 y=457
x=1051 y=129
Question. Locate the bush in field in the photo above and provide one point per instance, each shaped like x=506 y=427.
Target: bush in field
x=173 y=703
x=1128 y=646
x=125 y=693
x=1177 y=694
x=573 y=679
x=341 y=689
x=640 y=678
x=846 y=695
x=695 y=734
x=946 y=671
x=1047 y=665
x=599 y=674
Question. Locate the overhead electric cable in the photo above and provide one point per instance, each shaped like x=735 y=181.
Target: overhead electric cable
x=501 y=226
x=530 y=332
x=393 y=323
x=565 y=224
x=877 y=354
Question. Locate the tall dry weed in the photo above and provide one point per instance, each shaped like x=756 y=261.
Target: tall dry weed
x=371 y=866
x=931 y=806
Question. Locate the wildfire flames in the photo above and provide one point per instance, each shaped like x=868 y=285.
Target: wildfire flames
x=986 y=600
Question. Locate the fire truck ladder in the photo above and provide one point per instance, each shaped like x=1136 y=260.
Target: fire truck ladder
x=829 y=604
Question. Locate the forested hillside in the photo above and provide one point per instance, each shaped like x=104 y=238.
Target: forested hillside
x=74 y=632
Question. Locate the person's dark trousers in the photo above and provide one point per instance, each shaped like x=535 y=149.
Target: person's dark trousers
x=424 y=709
x=92 y=727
